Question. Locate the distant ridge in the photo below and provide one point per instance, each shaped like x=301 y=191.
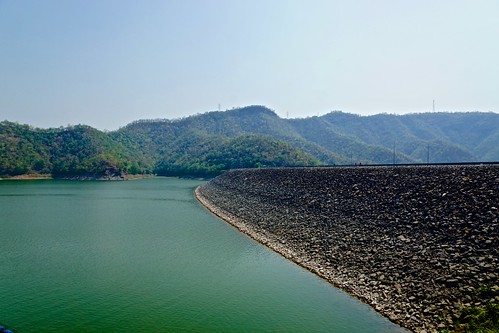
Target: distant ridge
x=253 y=136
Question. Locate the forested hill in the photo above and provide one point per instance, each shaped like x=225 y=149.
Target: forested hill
x=447 y=137
x=253 y=136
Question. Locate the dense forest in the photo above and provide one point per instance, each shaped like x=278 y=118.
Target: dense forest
x=249 y=137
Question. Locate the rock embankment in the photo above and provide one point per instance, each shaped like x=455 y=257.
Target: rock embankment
x=417 y=243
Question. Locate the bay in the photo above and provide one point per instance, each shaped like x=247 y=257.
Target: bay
x=145 y=256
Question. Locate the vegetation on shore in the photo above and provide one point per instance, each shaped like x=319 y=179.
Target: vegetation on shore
x=480 y=319
x=82 y=151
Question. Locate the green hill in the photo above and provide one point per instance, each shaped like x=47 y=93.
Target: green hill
x=71 y=151
x=450 y=137
x=253 y=136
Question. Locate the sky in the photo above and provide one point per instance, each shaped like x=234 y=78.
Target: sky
x=106 y=63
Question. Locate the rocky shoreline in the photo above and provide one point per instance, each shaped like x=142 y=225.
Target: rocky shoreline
x=416 y=243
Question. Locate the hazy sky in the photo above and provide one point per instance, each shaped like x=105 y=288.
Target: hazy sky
x=105 y=63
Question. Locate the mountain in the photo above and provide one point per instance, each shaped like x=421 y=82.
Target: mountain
x=75 y=150
x=450 y=137
x=212 y=142
x=341 y=138
x=253 y=136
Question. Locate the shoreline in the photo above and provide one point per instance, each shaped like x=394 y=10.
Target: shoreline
x=418 y=244
x=28 y=177
x=78 y=177
x=284 y=251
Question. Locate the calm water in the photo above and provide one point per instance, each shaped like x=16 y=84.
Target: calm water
x=144 y=256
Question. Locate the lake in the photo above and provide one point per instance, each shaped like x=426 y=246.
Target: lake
x=145 y=256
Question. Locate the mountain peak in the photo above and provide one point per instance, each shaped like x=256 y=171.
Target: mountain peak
x=253 y=110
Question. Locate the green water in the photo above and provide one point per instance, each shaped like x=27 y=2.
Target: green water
x=145 y=256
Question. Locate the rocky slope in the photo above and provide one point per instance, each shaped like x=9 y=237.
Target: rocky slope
x=417 y=243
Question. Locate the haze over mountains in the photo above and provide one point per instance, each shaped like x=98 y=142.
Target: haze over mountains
x=253 y=136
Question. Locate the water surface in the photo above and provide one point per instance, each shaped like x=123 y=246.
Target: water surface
x=145 y=256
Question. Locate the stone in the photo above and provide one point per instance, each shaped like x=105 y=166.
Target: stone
x=420 y=252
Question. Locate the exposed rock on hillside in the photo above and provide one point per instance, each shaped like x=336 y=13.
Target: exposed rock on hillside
x=414 y=242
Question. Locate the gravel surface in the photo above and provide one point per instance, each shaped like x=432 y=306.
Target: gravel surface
x=416 y=243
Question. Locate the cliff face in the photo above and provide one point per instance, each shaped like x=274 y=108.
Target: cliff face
x=417 y=243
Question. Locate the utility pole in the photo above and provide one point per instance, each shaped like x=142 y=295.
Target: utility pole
x=428 y=157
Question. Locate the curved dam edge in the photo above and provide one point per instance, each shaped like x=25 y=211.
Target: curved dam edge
x=286 y=252
x=416 y=243
x=268 y=241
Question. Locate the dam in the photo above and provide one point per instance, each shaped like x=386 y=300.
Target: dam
x=416 y=243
